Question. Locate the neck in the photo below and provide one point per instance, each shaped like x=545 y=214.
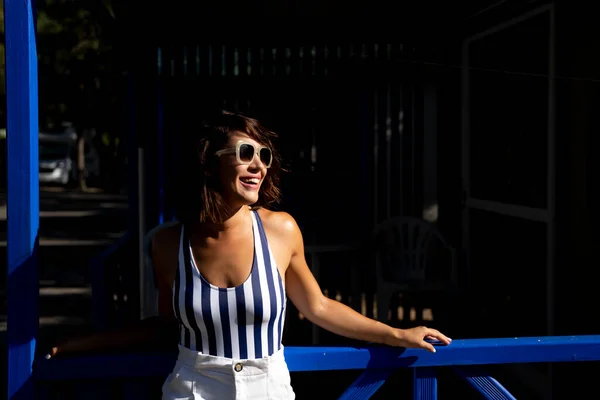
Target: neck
x=235 y=218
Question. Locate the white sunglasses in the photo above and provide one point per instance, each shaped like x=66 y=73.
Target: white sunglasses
x=245 y=153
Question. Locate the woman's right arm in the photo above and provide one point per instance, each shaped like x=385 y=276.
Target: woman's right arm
x=152 y=333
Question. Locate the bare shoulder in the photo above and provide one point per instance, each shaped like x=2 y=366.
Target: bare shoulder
x=279 y=222
x=166 y=237
x=285 y=236
x=165 y=245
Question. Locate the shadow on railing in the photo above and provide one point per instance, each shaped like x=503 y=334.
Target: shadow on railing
x=140 y=375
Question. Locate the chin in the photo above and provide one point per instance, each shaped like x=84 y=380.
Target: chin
x=246 y=196
x=246 y=200
x=249 y=200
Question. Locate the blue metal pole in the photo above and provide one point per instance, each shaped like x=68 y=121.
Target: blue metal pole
x=23 y=194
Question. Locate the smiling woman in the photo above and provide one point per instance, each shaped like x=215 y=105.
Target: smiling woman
x=225 y=273
x=226 y=139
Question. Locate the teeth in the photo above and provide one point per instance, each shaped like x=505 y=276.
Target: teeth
x=250 y=180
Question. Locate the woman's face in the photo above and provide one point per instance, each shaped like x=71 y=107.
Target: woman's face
x=240 y=182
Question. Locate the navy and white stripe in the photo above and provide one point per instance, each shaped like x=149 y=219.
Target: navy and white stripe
x=244 y=322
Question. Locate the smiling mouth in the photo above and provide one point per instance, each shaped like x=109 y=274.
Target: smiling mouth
x=250 y=183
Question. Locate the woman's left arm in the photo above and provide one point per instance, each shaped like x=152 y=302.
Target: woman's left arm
x=304 y=291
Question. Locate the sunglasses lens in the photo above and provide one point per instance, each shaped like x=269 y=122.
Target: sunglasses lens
x=266 y=156
x=246 y=153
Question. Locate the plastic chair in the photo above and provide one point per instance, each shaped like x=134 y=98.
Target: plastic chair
x=410 y=255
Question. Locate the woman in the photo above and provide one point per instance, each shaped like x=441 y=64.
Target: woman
x=225 y=272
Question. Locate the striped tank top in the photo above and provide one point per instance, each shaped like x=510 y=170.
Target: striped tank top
x=243 y=322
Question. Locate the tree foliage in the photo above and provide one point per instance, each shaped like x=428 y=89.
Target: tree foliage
x=80 y=79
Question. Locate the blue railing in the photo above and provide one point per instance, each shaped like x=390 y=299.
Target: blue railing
x=378 y=364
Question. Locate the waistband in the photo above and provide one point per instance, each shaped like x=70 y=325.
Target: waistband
x=198 y=361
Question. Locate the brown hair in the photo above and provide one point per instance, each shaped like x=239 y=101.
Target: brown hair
x=199 y=198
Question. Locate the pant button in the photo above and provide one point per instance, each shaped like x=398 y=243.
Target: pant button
x=238 y=367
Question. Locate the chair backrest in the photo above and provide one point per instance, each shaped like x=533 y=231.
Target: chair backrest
x=410 y=249
x=149 y=306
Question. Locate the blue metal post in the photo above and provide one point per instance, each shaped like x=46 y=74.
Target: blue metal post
x=23 y=194
x=424 y=384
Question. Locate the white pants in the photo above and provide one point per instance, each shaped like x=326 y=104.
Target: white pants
x=197 y=376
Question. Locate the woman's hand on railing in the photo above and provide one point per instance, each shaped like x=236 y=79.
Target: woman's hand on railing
x=73 y=345
x=419 y=337
x=52 y=353
x=154 y=333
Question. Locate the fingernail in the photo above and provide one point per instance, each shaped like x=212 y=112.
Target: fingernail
x=48 y=356
x=434 y=350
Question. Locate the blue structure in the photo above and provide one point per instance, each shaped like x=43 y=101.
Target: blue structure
x=378 y=362
x=23 y=193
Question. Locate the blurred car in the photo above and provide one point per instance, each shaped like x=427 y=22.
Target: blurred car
x=56 y=165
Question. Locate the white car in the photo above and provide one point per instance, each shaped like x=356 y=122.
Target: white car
x=56 y=165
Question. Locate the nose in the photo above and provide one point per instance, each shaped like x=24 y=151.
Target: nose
x=257 y=163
